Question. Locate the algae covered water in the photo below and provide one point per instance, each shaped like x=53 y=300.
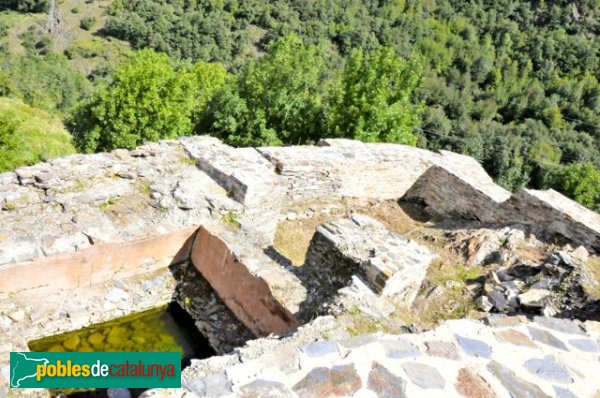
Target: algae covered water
x=166 y=329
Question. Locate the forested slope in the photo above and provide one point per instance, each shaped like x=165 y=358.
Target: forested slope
x=512 y=83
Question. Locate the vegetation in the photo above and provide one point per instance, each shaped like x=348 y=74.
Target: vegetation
x=28 y=136
x=149 y=99
x=512 y=83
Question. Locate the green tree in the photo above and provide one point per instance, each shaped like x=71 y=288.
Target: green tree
x=373 y=100
x=579 y=181
x=25 y=5
x=275 y=100
x=149 y=99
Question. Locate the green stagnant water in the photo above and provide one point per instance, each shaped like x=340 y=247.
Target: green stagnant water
x=165 y=329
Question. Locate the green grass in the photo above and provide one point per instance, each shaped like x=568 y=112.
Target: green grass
x=231 y=221
x=29 y=135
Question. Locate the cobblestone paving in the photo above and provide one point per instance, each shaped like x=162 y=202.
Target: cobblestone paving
x=460 y=358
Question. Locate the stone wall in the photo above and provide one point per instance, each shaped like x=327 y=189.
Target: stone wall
x=247 y=294
x=504 y=357
x=553 y=213
x=390 y=264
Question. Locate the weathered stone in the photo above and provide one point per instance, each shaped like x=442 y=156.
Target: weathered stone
x=497 y=299
x=358 y=341
x=216 y=385
x=321 y=349
x=534 y=297
x=118 y=393
x=260 y=388
x=563 y=393
x=517 y=387
x=255 y=306
x=546 y=337
x=515 y=337
x=475 y=348
x=399 y=349
x=114 y=295
x=392 y=265
x=559 y=324
x=586 y=345
x=442 y=349
x=424 y=376
x=484 y=304
x=498 y=320
x=384 y=383
x=470 y=385
x=337 y=381
x=547 y=368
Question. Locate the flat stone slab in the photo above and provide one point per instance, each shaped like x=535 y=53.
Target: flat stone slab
x=474 y=363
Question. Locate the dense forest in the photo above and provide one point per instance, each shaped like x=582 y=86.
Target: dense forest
x=512 y=83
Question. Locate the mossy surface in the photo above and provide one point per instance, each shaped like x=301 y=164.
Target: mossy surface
x=153 y=330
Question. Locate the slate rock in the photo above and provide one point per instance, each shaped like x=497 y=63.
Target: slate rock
x=497 y=299
x=563 y=393
x=473 y=347
x=516 y=387
x=337 y=381
x=442 y=349
x=484 y=304
x=384 y=383
x=471 y=385
x=515 y=337
x=321 y=349
x=424 y=376
x=586 y=345
x=399 y=349
x=265 y=389
x=546 y=337
x=118 y=393
x=534 y=298
x=547 y=368
x=559 y=324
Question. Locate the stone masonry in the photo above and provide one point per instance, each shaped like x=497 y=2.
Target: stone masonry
x=86 y=238
x=390 y=264
x=504 y=357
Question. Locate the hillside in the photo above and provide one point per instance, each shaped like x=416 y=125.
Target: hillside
x=29 y=135
x=513 y=84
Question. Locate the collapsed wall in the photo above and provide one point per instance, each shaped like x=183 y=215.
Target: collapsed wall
x=390 y=264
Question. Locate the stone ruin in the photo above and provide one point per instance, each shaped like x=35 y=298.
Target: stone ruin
x=89 y=238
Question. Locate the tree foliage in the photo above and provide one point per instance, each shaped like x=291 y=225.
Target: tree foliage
x=275 y=99
x=373 y=102
x=580 y=181
x=149 y=99
x=25 y=5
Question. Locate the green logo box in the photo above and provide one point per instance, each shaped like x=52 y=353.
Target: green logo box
x=95 y=369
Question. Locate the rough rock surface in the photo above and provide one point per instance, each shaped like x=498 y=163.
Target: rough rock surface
x=371 y=365
x=87 y=238
x=389 y=263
